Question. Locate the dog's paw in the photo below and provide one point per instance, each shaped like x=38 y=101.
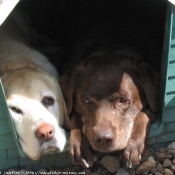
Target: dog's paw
x=133 y=153
x=80 y=149
x=89 y=154
x=75 y=147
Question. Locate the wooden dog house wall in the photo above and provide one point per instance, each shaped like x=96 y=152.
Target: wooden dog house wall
x=164 y=132
x=161 y=133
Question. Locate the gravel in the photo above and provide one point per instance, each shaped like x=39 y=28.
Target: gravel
x=155 y=162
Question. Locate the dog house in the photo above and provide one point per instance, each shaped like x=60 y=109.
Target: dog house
x=162 y=132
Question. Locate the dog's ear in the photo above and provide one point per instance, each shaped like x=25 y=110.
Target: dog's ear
x=149 y=79
x=67 y=85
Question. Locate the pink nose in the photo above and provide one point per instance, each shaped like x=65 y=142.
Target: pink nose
x=45 y=132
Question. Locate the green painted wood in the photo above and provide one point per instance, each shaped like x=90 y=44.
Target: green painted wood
x=43 y=165
x=156 y=128
x=9 y=163
x=170 y=100
x=33 y=161
x=172 y=53
x=164 y=67
x=26 y=161
x=169 y=115
x=170 y=87
x=173 y=26
x=173 y=35
x=12 y=152
x=59 y=160
x=151 y=140
x=4 y=125
x=2 y=116
x=3 y=154
x=3 y=110
x=171 y=69
x=50 y=157
x=26 y=167
x=164 y=128
x=173 y=41
x=169 y=97
x=159 y=145
x=7 y=141
x=170 y=127
x=166 y=137
x=165 y=99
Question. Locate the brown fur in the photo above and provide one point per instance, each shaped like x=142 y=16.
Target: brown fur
x=112 y=98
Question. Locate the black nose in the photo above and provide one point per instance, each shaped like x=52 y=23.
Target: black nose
x=104 y=138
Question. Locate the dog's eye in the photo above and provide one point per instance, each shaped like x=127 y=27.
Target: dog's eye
x=87 y=101
x=123 y=100
x=91 y=101
x=15 y=109
x=48 y=101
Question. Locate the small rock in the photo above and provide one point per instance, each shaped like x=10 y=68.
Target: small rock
x=111 y=163
x=13 y=170
x=105 y=172
x=145 y=166
x=94 y=174
x=146 y=172
x=131 y=172
x=97 y=170
x=172 y=167
x=157 y=173
x=22 y=172
x=161 y=156
x=151 y=159
x=151 y=152
x=160 y=168
x=145 y=156
x=173 y=161
x=168 y=172
x=167 y=163
x=172 y=152
x=171 y=146
x=72 y=169
x=86 y=171
x=161 y=150
x=122 y=171
x=56 y=170
x=42 y=170
x=154 y=169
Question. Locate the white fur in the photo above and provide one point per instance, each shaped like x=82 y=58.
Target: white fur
x=35 y=114
x=27 y=78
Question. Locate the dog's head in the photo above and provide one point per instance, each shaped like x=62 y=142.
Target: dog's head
x=108 y=91
x=37 y=108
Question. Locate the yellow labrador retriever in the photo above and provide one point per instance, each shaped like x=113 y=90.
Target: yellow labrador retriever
x=32 y=90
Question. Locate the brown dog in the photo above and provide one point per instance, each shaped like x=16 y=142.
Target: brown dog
x=112 y=99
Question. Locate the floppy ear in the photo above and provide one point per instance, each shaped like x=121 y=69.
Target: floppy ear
x=149 y=79
x=67 y=85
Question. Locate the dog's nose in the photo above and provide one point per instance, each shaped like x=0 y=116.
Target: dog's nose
x=45 y=132
x=104 y=138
